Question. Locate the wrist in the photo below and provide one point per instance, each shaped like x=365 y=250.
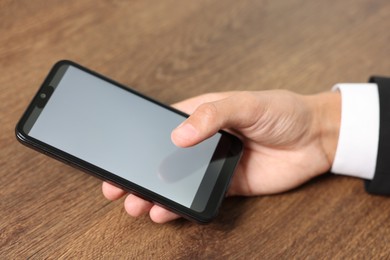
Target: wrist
x=326 y=109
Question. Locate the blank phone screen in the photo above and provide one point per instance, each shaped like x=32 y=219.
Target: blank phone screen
x=121 y=132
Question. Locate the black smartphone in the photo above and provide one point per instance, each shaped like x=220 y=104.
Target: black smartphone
x=121 y=136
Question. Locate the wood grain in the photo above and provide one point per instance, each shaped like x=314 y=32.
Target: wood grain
x=172 y=50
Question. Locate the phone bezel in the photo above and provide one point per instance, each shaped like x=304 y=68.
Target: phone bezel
x=233 y=155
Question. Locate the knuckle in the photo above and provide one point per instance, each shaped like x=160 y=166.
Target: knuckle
x=246 y=96
x=208 y=112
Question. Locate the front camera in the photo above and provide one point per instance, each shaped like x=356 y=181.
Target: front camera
x=44 y=96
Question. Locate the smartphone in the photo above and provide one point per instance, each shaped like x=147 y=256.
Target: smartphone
x=123 y=137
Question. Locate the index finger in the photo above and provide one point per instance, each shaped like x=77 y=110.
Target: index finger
x=112 y=192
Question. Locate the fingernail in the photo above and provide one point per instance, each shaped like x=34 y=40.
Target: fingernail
x=186 y=131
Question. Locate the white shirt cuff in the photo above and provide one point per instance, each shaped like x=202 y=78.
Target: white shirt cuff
x=357 y=146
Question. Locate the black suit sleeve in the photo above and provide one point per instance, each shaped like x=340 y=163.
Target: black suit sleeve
x=381 y=181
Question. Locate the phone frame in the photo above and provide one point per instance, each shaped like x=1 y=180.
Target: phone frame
x=232 y=156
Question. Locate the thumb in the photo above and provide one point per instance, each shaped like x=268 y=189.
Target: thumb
x=236 y=111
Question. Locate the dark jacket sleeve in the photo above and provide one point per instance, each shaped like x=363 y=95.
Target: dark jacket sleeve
x=381 y=182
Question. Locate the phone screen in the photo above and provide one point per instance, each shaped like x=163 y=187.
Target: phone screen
x=125 y=134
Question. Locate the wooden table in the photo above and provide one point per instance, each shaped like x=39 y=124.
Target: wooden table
x=172 y=50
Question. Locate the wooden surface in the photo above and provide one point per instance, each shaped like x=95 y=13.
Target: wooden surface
x=172 y=50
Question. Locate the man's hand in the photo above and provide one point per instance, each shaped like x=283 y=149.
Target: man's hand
x=288 y=139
